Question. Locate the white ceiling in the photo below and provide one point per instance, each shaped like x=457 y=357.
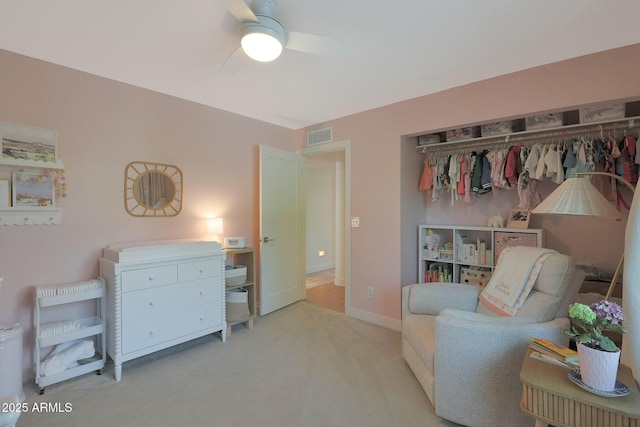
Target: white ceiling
x=404 y=48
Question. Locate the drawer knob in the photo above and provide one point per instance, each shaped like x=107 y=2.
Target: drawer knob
x=201 y=293
x=151 y=332
x=150 y=278
x=150 y=303
x=201 y=271
x=201 y=317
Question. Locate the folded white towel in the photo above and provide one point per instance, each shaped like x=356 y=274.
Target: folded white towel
x=66 y=355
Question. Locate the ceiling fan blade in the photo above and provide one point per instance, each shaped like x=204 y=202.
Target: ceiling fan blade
x=319 y=45
x=240 y=10
x=234 y=62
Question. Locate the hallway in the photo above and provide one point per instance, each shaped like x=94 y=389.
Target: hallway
x=323 y=292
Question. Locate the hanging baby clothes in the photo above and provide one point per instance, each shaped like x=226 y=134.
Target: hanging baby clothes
x=481 y=179
x=531 y=164
x=541 y=169
x=528 y=192
x=580 y=157
x=553 y=163
x=513 y=165
x=437 y=184
x=612 y=152
x=627 y=156
x=627 y=166
x=464 y=171
x=454 y=177
x=467 y=179
x=427 y=176
x=570 y=155
x=485 y=180
x=476 y=174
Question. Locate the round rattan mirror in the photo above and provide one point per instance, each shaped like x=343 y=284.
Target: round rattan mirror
x=152 y=189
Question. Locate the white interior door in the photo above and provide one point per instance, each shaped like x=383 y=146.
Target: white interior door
x=282 y=229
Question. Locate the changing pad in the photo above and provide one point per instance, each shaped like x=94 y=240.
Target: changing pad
x=142 y=251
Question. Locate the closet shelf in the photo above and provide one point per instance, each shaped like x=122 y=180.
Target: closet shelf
x=532 y=135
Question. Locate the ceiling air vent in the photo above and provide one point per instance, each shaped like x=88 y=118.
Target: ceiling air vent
x=319 y=136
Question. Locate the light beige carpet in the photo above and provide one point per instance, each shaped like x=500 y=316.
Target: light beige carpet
x=300 y=366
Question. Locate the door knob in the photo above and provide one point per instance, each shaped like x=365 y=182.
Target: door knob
x=266 y=239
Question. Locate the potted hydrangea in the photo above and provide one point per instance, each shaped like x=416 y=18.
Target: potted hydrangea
x=598 y=354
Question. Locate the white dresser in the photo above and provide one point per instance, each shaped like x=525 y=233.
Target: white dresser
x=160 y=294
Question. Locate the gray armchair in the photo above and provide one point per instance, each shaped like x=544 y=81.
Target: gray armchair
x=467 y=358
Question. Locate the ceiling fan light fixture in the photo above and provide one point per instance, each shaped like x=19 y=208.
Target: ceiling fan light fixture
x=263 y=41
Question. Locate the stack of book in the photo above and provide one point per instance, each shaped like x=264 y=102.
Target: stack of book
x=550 y=352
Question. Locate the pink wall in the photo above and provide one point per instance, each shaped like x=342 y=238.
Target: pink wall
x=376 y=164
x=102 y=126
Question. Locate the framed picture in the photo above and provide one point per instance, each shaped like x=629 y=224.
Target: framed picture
x=27 y=143
x=518 y=218
x=31 y=189
x=5 y=193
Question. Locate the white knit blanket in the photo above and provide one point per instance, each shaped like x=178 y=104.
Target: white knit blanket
x=515 y=274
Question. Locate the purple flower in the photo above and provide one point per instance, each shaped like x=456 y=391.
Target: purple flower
x=608 y=310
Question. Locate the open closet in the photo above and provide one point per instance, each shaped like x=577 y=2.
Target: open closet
x=460 y=171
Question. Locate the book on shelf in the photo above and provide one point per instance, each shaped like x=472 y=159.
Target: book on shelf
x=555 y=350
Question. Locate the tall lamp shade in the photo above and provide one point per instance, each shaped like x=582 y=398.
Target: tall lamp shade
x=577 y=196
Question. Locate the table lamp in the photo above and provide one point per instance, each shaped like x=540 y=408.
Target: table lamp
x=577 y=196
x=215 y=229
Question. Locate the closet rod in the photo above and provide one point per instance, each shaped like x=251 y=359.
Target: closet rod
x=609 y=128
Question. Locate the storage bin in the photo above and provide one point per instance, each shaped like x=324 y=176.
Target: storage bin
x=602 y=113
x=497 y=128
x=463 y=133
x=544 y=121
x=235 y=275
x=237 y=302
x=433 y=138
x=473 y=275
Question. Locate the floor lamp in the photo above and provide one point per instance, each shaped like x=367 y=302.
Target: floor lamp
x=577 y=196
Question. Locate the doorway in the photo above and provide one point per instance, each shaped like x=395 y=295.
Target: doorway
x=328 y=242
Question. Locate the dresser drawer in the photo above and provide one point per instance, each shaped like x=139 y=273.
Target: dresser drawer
x=165 y=299
x=199 y=270
x=156 y=330
x=144 y=278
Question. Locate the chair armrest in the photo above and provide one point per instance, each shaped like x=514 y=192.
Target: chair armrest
x=489 y=336
x=484 y=353
x=430 y=298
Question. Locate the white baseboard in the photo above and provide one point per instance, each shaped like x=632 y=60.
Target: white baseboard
x=318 y=268
x=376 y=319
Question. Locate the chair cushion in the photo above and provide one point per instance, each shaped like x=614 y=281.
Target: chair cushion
x=419 y=331
x=430 y=298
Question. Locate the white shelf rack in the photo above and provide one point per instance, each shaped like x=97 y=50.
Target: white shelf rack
x=57 y=332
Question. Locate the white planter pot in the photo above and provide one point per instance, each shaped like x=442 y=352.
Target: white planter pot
x=598 y=369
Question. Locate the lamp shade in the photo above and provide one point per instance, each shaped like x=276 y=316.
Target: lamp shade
x=577 y=196
x=215 y=226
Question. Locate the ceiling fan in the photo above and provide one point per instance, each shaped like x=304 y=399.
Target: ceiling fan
x=263 y=38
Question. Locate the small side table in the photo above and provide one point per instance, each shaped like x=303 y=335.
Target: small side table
x=551 y=398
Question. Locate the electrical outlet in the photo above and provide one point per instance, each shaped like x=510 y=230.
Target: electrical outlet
x=355 y=221
x=321 y=253
x=371 y=293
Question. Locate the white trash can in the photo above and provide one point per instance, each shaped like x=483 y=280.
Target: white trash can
x=11 y=361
